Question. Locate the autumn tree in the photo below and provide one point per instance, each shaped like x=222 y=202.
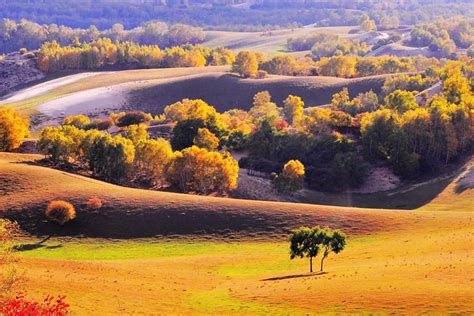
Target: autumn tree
x=263 y=109
x=246 y=64
x=152 y=157
x=137 y=134
x=197 y=169
x=61 y=144
x=366 y=24
x=293 y=108
x=401 y=101
x=292 y=177
x=206 y=139
x=59 y=212
x=13 y=129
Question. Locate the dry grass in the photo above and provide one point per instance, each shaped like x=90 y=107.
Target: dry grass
x=109 y=79
x=272 y=43
x=226 y=91
x=396 y=261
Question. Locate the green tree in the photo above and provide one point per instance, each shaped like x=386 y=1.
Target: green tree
x=331 y=241
x=401 y=101
x=309 y=242
x=305 y=242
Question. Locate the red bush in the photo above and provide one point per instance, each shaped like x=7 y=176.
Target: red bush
x=94 y=203
x=20 y=305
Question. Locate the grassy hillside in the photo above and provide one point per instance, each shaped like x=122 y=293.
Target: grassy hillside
x=227 y=91
x=395 y=261
x=273 y=42
x=107 y=79
x=27 y=189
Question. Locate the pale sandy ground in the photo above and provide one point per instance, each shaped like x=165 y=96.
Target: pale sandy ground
x=93 y=102
x=44 y=87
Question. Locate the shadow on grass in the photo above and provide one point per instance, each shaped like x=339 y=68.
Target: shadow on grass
x=295 y=276
x=29 y=247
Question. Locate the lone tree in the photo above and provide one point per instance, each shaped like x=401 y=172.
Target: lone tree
x=304 y=243
x=59 y=212
x=308 y=242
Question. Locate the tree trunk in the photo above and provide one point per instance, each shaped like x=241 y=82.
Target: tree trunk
x=45 y=239
x=310 y=264
x=322 y=262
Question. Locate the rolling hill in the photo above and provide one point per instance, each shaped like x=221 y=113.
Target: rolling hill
x=151 y=90
x=205 y=255
x=227 y=91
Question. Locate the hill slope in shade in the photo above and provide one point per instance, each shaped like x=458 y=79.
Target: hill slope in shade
x=227 y=91
x=26 y=190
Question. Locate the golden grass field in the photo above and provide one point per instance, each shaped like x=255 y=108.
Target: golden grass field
x=162 y=253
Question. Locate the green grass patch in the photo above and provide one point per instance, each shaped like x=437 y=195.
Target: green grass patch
x=221 y=302
x=107 y=250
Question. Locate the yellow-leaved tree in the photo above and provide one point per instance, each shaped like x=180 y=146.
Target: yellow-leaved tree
x=13 y=129
x=197 y=169
x=206 y=139
x=292 y=177
x=246 y=64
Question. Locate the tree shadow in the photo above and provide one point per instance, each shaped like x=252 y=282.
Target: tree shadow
x=295 y=276
x=29 y=247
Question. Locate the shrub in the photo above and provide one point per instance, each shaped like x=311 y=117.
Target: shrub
x=13 y=129
x=94 y=203
x=79 y=121
x=20 y=305
x=60 y=212
x=133 y=118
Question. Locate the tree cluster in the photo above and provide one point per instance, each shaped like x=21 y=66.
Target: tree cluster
x=133 y=156
x=30 y=35
x=248 y=64
x=310 y=242
x=103 y=52
x=444 y=35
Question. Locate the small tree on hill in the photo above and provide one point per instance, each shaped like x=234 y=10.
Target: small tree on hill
x=59 y=212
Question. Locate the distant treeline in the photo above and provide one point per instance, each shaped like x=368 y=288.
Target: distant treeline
x=223 y=15
x=30 y=35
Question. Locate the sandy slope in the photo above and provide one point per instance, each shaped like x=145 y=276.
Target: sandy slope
x=91 y=102
x=44 y=87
